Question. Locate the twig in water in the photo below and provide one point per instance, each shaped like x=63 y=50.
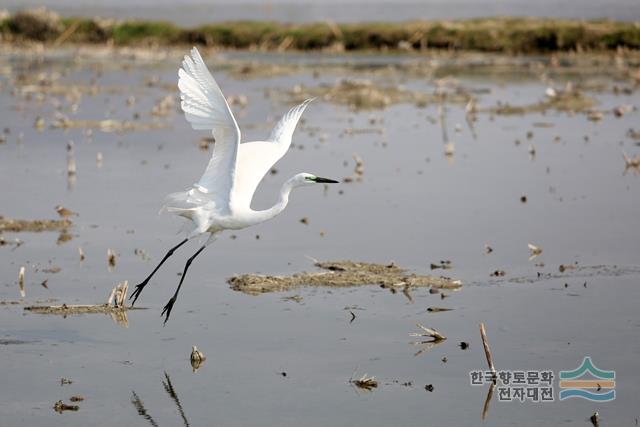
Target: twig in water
x=487 y=350
x=21 y=282
x=142 y=411
x=487 y=401
x=168 y=387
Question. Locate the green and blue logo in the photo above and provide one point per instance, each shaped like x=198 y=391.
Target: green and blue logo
x=599 y=387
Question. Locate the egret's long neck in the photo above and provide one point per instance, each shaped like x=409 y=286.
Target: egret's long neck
x=267 y=214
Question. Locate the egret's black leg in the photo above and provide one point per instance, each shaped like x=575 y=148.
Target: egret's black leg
x=169 y=306
x=140 y=287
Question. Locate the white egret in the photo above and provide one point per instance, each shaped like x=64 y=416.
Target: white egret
x=221 y=199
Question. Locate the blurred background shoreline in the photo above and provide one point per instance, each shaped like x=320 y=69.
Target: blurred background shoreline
x=199 y=12
x=256 y=28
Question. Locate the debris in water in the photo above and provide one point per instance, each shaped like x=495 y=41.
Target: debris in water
x=77 y=398
x=65 y=381
x=60 y=407
x=438 y=309
x=197 y=358
x=81 y=253
x=595 y=419
x=535 y=251
x=164 y=106
x=621 y=110
x=304 y=220
x=498 y=273
x=15 y=241
x=71 y=160
x=464 y=345
x=21 y=282
x=205 y=142
x=240 y=100
x=487 y=350
x=365 y=383
x=39 y=123
x=19 y=225
x=63 y=237
x=445 y=265
x=294 y=298
x=341 y=274
x=115 y=306
x=449 y=149
x=488 y=249
x=569 y=100
x=565 y=267
x=631 y=163
x=429 y=388
x=365 y=94
x=118 y=295
x=428 y=332
x=64 y=212
x=487 y=401
x=111 y=258
x=106 y=125
x=594 y=115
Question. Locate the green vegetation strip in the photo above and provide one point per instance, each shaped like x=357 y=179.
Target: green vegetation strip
x=509 y=35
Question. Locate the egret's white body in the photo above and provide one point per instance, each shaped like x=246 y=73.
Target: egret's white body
x=221 y=199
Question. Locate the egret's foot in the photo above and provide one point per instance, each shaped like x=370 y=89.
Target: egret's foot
x=137 y=291
x=167 y=309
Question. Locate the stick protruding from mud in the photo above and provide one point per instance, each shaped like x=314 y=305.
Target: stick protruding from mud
x=487 y=350
x=21 y=282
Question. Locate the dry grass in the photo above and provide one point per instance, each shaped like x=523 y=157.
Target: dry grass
x=513 y=35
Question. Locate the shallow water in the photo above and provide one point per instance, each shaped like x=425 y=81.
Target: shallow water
x=414 y=206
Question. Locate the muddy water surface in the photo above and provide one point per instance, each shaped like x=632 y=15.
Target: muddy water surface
x=276 y=360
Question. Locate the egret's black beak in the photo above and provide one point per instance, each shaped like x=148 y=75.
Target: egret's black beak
x=320 y=180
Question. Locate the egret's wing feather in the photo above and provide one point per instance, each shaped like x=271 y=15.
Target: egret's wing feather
x=283 y=130
x=255 y=159
x=205 y=107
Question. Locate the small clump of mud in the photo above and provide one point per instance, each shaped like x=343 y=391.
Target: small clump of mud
x=573 y=101
x=340 y=274
x=364 y=94
x=38 y=225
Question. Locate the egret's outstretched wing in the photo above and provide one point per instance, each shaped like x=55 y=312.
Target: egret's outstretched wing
x=205 y=107
x=256 y=158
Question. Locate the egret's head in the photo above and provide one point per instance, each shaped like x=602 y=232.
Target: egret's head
x=303 y=179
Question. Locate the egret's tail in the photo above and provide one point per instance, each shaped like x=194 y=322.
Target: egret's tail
x=178 y=203
x=193 y=205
